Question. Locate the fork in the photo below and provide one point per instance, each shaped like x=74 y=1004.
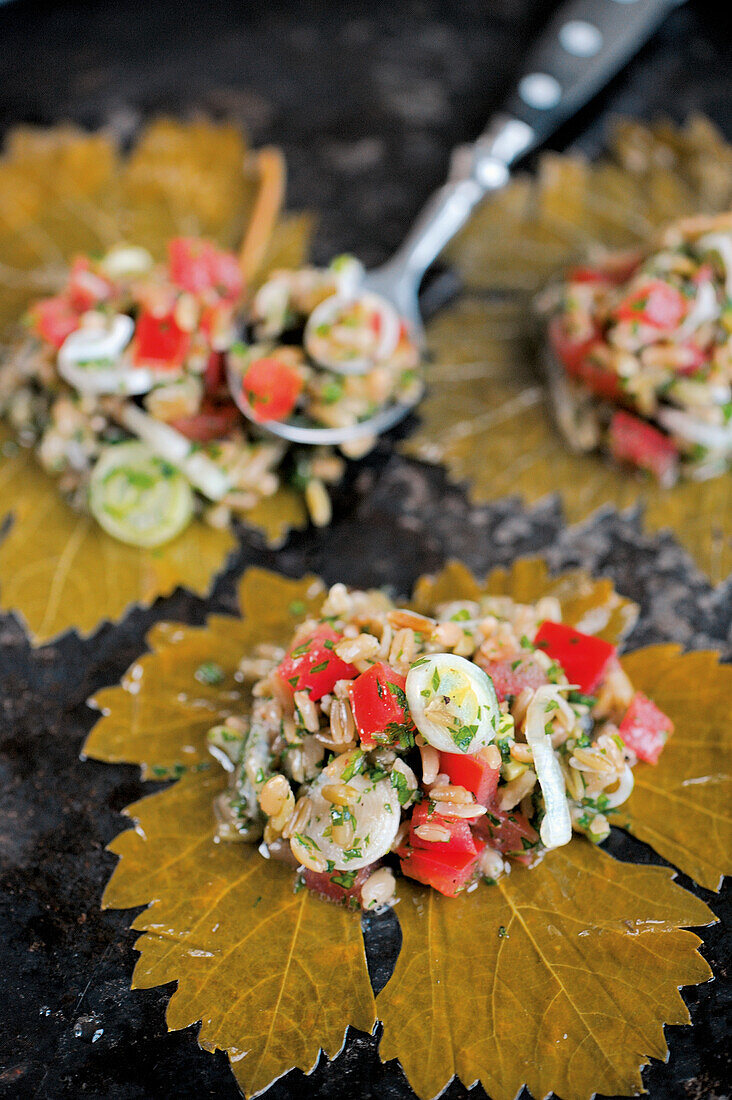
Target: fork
x=582 y=48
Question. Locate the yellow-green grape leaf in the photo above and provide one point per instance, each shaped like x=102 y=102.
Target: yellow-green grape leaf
x=560 y=978
x=682 y=806
x=159 y=715
x=274 y=976
x=574 y=966
x=60 y=571
x=486 y=415
x=62 y=192
x=588 y=604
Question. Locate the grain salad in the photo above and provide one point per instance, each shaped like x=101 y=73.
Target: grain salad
x=642 y=347
x=323 y=353
x=444 y=746
x=119 y=386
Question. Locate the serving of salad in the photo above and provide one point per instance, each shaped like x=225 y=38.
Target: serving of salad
x=323 y=353
x=119 y=386
x=642 y=343
x=442 y=746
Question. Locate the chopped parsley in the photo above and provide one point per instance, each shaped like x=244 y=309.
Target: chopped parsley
x=209 y=673
x=345 y=879
x=402 y=788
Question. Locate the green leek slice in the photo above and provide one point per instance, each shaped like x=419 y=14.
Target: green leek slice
x=137 y=497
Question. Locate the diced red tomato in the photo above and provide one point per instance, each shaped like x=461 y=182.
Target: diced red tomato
x=656 y=303
x=272 y=388
x=473 y=773
x=570 y=350
x=509 y=832
x=86 y=287
x=446 y=874
x=379 y=707
x=587 y=275
x=159 y=343
x=585 y=659
x=225 y=273
x=461 y=839
x=189 y=263
x=334 y=885
x=314 y=666
x=53 y=319
x=210 y=422
x=576 y=355
x=632 y=440
x=196 y=265
x=645 y=729
x=598 y=379
x=510 y=677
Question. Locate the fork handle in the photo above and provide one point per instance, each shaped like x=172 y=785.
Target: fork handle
x=584 y=45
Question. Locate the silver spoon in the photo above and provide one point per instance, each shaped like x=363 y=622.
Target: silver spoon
x=584 y=45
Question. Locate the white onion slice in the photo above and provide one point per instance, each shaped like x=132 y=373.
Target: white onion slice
x=706 y=307
x=376 y=811
x=556 y=828
x=90 y=359
x=349 y=274
x=271 y=304
x=448 y=694
x=328 y=311
x=175 y=448
x=688 y=427
x=623 y=791
x=125 y=261
x=722 y=244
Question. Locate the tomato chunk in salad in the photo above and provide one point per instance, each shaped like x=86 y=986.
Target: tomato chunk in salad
x=380 y=708
x=585 y=659
x=476 y=773
x=271 y=388
x=314 y=666
x=645 y=729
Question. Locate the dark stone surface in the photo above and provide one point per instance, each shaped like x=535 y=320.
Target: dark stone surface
x=366 y=100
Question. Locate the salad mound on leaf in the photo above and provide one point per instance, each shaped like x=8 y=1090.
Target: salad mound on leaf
x=323 y=353
x=120 y=388
x=445 y=744
x=643 y=343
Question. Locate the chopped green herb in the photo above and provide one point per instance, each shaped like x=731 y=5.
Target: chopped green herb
x=345 y=879
x=209 y=673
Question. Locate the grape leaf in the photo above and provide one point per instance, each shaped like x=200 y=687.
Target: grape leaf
x=682 y=806
x=159 y=715
x=588 y=604
x=486 y=415
x=574 y=995
x=573 y=968
x=61 y=192
x=273 y=975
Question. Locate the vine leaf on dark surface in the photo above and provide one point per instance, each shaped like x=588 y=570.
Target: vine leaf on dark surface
x=574 y=966
x=486 y=415
x=273 y=975
x=560 y=978
x=682 y=807
x=63 y=191
x=159 y=714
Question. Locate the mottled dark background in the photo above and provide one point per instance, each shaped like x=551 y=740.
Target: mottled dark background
x=366 y=99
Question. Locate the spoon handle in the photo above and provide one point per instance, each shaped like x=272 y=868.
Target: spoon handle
x=583 y=47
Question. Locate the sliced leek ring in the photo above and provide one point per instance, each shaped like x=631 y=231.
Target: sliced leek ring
x=91 y=359
x=375 y=813
x=453 y=703
x=328 y=312
x=137 y=497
